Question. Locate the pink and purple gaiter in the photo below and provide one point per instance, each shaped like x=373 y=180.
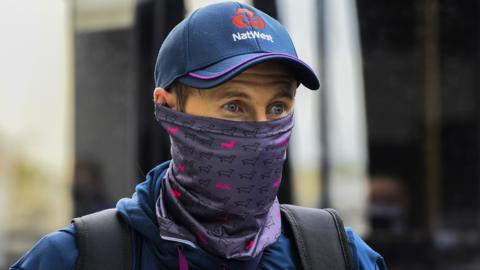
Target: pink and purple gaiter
x=220 y=191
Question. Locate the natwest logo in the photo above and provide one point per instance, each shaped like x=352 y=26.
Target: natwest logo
x=244 y=18
x=251 y=34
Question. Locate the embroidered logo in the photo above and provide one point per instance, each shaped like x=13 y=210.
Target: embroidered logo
x=244 y=19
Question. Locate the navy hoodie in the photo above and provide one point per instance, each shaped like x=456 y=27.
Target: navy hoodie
x=58 y=250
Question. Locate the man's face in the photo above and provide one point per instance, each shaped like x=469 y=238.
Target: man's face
x=263 y=92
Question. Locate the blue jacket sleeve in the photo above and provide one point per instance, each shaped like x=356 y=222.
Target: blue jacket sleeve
x=55 y=251
x=363 y=256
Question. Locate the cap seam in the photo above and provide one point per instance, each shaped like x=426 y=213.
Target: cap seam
x=187 y=55
x=255 y=39
x=250 y=25
x=187 y=45
x=291 y=42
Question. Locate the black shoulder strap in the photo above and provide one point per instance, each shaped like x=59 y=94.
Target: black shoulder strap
x=103 y=241
x=320 y=237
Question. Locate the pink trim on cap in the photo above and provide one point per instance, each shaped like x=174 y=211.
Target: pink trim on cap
x=221 y=73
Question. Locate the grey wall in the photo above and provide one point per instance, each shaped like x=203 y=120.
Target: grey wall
x=104 y=113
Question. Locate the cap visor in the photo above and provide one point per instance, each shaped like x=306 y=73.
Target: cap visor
x=220 y=72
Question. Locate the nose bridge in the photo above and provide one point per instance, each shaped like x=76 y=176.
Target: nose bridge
x=261 y=118
x=259 y=103
x=260 y=114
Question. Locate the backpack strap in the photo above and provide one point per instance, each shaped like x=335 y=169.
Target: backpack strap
x=320 y=237
x=103 y=241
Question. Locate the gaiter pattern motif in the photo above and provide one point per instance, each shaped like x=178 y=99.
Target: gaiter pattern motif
x=220 y=189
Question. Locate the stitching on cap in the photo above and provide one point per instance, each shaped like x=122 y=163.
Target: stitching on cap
x=187 y=47
x=250 y=26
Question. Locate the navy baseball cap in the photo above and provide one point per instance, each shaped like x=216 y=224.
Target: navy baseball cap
x=219 y=41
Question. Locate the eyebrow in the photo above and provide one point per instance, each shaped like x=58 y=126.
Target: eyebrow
x=285 y=91
x=230 y=93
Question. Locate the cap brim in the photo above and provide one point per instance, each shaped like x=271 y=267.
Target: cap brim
x=220 y=72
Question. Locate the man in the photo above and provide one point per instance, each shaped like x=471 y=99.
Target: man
x=225 y=85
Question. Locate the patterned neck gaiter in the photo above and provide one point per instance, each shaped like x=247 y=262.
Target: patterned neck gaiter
x=220 y=191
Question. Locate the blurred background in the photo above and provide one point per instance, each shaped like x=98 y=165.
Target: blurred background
x=392 y=140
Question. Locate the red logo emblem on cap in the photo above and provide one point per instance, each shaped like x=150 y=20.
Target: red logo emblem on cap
x=244 y=18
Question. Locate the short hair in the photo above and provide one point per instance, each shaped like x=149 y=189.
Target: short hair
x=182 y=92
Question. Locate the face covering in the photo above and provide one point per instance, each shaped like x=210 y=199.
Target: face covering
x=220 y=191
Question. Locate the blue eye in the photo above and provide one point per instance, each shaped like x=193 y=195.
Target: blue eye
x=277 y=109
x=231 y=107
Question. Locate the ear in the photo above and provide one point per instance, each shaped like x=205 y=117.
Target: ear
x=163 y=97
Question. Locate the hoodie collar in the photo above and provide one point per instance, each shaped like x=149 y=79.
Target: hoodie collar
x=139 y=213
